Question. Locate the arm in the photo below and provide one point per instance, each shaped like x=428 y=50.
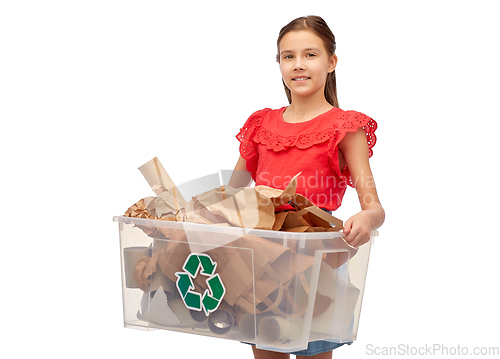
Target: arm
x=240 y=177
x=357 y=228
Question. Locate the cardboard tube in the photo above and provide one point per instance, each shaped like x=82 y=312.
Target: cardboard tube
x=220 y=322
x=131 y=256
x=198 y=316
x=246 y=324
x=279 y=329
x=155 y=175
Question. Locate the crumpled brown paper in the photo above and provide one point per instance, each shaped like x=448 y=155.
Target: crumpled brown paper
x=139 y=209
x=267 y=277
x=165 y=206
x=248 y=207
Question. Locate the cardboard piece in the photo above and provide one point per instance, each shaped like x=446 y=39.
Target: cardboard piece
x=320 y=218
x=247 y=207
x=233 y=264
x=294 y=219
x=159 y=311
x=262 y=262
x=279 y=220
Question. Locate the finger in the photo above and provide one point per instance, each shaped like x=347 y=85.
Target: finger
x=353 y=238
x=361 y=239
x=351 y=235
x=355 y=241
x=347 y=226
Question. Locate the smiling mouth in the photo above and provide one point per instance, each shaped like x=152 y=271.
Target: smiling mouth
x=300 y=78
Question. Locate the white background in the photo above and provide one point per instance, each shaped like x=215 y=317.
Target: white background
x=91 y=90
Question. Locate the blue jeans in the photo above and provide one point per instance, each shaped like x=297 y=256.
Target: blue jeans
x=318 y=347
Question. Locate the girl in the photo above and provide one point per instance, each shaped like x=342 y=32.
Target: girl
x=314 y=136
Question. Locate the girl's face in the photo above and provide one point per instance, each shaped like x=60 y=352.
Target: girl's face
x=305 y=63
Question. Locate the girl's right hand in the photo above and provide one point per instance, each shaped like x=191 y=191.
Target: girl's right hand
x=357 y=229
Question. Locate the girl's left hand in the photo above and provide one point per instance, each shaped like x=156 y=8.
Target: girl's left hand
x=357 y=229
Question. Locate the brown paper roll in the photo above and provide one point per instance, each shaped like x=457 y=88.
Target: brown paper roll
x=246 y=324
x=131 y=256
x=279 y=329
x=220 y=322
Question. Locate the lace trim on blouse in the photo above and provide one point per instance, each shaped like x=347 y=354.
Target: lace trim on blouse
x=248 y=148
x=349 y=121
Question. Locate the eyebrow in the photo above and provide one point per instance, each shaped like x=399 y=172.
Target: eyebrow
x=305 y=50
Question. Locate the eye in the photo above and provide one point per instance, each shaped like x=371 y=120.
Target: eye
x=310 y=54
x=287 y=57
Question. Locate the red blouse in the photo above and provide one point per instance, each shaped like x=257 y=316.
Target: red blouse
x=276 y=151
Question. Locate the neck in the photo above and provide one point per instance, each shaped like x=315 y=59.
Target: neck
x=304 y=106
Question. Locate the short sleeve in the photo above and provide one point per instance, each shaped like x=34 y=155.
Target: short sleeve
x=248 y=148
x=350 y=121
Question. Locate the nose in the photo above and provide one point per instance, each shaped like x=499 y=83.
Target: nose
x=298 y=66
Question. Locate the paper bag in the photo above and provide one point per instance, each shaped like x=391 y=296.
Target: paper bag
x=166 y=206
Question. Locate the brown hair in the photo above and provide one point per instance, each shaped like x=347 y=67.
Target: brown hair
x=317 y=25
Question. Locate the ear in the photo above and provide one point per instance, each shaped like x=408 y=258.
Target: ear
x=333 y=63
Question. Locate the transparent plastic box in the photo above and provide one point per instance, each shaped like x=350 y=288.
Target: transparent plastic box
x=278 y=290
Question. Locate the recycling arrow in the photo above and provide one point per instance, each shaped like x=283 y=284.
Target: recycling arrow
x=200 y=263
x=184 y=283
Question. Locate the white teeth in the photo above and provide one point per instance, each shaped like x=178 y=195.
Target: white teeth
x=301 y=78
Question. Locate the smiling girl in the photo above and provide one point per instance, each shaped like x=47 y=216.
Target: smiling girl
x=329 y=146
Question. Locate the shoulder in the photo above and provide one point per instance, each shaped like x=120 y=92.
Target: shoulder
x=267 y=115
x=253 y=124
x=356 y=128
x=350 y=120
x=265 y=112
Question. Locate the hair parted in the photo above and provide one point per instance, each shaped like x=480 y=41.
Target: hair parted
x=317 y=25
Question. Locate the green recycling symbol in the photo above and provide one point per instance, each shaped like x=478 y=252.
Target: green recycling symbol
x=212 y=296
